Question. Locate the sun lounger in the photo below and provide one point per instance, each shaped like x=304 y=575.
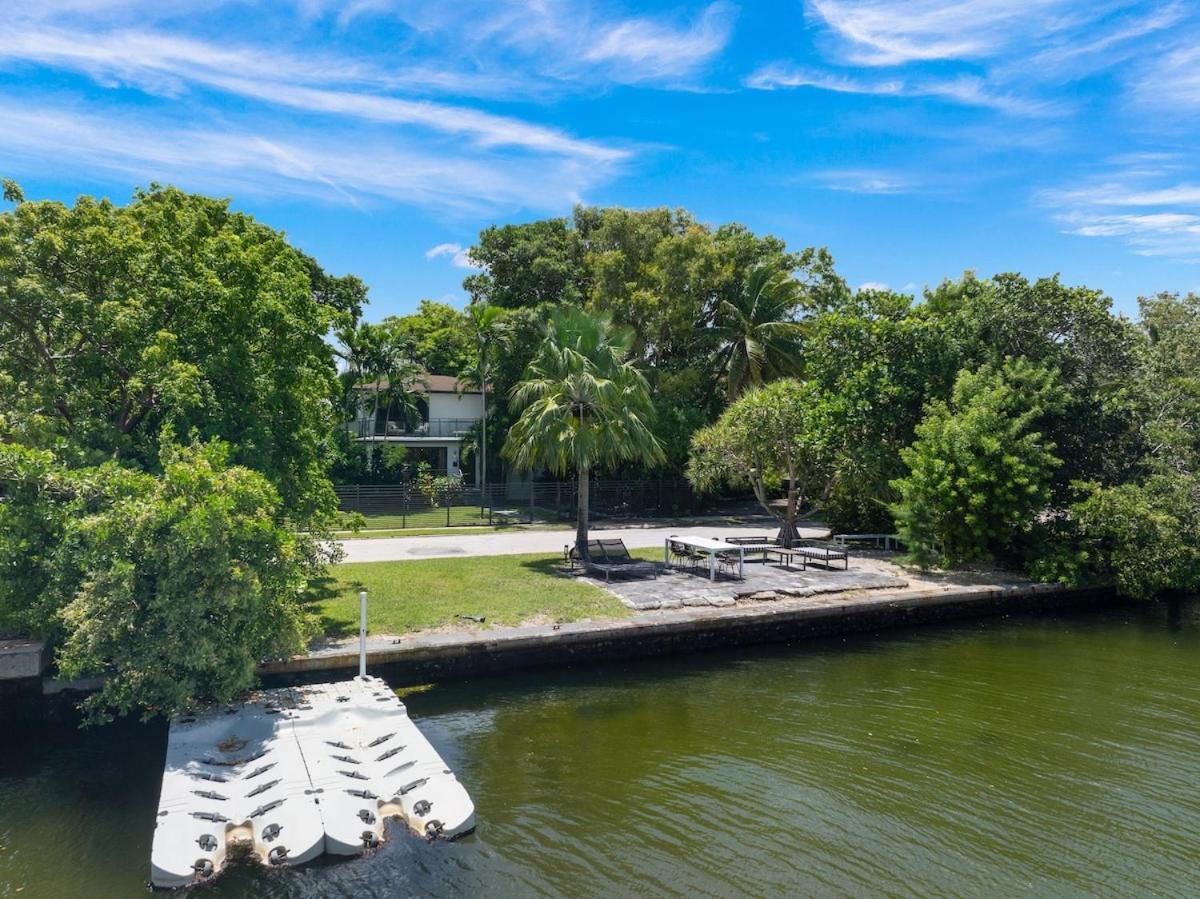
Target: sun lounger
x=611 y=557
x=757 y=539
x=823 y=553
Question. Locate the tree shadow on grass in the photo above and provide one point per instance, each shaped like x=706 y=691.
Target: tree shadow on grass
x=552 y=566
x=322 y=590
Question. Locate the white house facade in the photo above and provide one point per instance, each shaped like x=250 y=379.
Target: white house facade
x=435 y=434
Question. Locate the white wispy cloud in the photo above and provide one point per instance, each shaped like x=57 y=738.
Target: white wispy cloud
x=162 y=63
x=161 y=60
x=872 y=285
x=966 y=89
x=865 y=181
x=1010 y=57
x=1110 y=45
x=1130 y=203
x=291 y=161
x=892 y=32
x=647 y=49
x=774 y=76
x=1170 y=82
x=561 y=42
x=459 y=255
x=327 y=120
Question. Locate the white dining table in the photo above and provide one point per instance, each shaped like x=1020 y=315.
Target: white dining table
x=711 y=547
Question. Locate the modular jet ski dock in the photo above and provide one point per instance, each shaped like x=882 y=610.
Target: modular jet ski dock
x=293 y=773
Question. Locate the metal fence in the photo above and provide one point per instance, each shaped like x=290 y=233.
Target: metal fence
x=452 y=428
x=409 y=505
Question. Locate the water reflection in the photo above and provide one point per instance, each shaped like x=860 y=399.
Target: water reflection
x=996 y=757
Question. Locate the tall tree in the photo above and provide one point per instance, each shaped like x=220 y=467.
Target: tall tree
x=582 y=404
x=485 y=326
x=117 y=322
x=1070 y=329
x=760 y=338
x=879 y=358
x=380 y=371
x=527 y=265
x=437 y=335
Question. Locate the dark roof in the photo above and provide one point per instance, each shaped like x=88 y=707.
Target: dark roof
x=446 y=384
x=435 y=384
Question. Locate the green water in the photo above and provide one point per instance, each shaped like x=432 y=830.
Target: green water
x=1027 y=757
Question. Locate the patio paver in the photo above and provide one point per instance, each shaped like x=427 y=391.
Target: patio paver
x=676 y=588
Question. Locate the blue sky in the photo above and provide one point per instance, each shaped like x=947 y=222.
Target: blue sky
x=914 y=138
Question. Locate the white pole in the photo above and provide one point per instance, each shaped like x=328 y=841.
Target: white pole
x=362 y=633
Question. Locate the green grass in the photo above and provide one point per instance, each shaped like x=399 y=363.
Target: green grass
x=461 y=516
x=371 y=533
x=430 y=593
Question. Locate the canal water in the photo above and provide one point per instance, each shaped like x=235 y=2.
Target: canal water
x=1019 y=757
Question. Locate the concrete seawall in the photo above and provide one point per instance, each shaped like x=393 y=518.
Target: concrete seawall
x=425 y=658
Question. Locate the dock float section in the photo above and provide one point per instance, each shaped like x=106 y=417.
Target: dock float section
x=296 y=772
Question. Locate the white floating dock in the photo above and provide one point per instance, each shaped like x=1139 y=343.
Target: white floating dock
x=296 y=772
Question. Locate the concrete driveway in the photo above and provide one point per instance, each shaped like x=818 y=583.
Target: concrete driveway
x=388 y=549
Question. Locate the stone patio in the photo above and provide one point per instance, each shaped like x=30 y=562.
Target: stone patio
x=675 y=588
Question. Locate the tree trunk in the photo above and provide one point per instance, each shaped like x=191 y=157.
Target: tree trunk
x=788 y=533
x=483 y=449
x=375 y=410
x=581 y=520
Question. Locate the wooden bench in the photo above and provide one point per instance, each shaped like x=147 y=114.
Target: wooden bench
x=879 y=541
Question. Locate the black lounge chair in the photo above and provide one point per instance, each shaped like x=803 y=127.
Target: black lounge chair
x=611 y=557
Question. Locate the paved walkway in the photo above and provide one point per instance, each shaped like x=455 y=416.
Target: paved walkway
x=387 y=549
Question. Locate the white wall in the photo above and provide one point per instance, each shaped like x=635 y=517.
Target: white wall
x=467 y=406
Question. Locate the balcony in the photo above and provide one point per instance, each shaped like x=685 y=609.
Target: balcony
x=434 y=428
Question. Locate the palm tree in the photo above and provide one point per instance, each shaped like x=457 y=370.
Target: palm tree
x=582 y=404
x=485 y=325
x=377 y=362
x=357 y=348
x=760 y=340
x=402 y=380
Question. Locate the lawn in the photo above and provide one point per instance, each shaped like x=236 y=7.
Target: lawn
x=460 y=519
x=373 y=532
x=430 y=593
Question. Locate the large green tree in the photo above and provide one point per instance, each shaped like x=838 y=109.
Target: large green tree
x=437 y=337
x=171 y=570
x=1070 y=329
x=878 y=358
x=582 y=404
x=658 y=271
x=527 y=265
x=118 y=321
x=1144 y=533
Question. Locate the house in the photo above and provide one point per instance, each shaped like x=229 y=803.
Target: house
x=444 y=415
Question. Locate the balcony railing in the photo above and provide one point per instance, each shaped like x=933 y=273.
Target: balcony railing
x=445 y=428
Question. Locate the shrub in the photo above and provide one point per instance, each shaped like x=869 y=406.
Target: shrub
x=980 y=469
x=172 y=587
